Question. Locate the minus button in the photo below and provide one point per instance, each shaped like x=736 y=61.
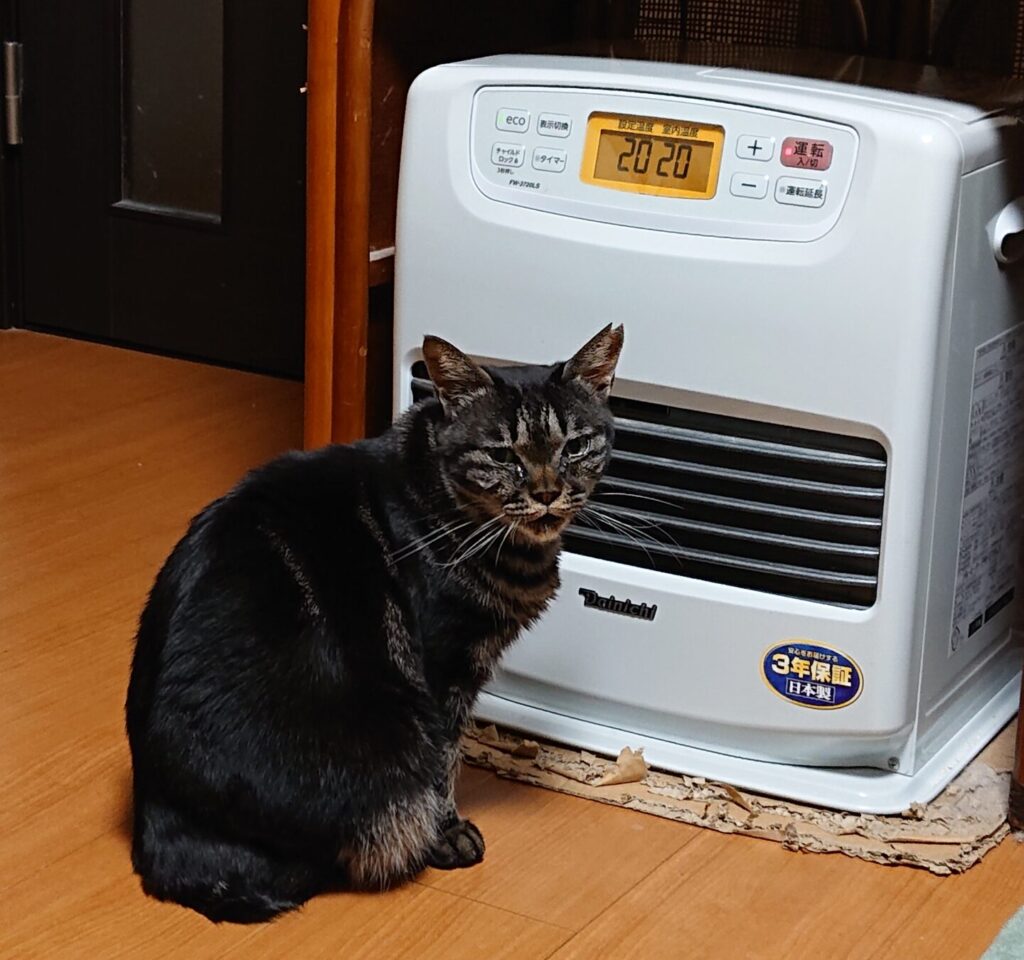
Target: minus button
x=749 y=185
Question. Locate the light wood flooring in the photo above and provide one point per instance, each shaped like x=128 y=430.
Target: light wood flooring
x=104 y=456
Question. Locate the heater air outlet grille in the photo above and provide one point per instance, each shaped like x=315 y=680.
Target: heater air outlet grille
x=752 y=504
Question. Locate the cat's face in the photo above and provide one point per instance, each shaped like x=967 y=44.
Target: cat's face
x=525 y=446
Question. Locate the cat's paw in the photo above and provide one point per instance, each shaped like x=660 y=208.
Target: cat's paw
x=460 y=845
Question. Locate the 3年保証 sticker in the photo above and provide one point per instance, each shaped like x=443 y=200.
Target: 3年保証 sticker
x=812 y=675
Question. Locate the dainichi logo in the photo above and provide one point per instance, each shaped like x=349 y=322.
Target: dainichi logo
x=591 y=598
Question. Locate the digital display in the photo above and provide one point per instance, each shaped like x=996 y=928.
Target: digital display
x=657 y=161
x=650 y=155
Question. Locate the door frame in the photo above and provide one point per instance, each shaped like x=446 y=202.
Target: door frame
x=11 y=280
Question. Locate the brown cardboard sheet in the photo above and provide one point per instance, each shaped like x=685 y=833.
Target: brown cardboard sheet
x=947 y=836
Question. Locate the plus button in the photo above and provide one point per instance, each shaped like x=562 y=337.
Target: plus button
x=751 y=147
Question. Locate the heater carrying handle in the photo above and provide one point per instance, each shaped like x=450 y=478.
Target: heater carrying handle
x=1006 y=232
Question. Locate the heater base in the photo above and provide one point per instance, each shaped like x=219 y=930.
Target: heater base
x=855 y=789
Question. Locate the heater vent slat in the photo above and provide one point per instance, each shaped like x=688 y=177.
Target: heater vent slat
x=661 y=528
x=759 y=515
x=669 y=468
x=687 y=554
x=748 y=503
x=747 y=446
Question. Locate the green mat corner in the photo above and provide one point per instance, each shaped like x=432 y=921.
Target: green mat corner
x=1009 y=945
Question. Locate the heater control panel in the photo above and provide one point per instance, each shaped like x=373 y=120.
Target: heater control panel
x=661 y=162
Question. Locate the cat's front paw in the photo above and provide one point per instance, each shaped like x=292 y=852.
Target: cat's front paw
x=460 y=845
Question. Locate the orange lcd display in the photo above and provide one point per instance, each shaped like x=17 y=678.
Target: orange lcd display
x=673 y=158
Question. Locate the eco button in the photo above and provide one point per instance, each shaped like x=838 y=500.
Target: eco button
x=513 y=121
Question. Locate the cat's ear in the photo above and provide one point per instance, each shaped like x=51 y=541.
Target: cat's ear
x=594 y=363
x=458 y=379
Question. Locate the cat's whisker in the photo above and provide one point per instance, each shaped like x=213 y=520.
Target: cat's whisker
x=510 y=529
x=635 y=540
x=431 y=537
x=616 y=526
x=626 y=527
x=634 y=521
x=435 y=533
x=414 y=546
x=497 y=532
x=487 y=543
x=473 y=540
x=639 y=496
x=586 y=519
x=650 y=525
x=629 y=521
x=484 y=546
x=620 y=524
x=467 y=554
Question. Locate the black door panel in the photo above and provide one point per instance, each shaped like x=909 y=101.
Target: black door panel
x=163 y=171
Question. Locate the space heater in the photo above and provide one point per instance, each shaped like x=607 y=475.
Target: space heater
x=801 y=573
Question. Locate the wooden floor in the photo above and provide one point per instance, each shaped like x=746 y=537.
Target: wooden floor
x=104 y=455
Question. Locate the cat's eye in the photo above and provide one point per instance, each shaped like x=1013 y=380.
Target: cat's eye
x=577 y=447
x=502 y=454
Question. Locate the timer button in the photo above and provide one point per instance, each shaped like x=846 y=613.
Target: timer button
x=755 y=148
x=554 y=125
x=508 y=154
x=549 y=158
x=750 y=185
x=513 y=121
x=799 y=192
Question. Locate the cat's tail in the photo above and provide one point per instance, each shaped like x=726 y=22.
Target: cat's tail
x=223 y=879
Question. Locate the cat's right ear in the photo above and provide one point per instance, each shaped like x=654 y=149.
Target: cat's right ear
x=457 y=379
x=594 y=363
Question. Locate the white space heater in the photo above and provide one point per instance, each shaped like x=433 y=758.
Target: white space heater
x=819 y=406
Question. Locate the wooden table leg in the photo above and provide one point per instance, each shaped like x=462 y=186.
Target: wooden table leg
x=338 y=214
x=321 y=191
x=352 y=213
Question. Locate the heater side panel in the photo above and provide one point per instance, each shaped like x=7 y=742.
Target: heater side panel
x=970 y=648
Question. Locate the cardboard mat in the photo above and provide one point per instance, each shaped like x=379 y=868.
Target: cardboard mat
x=947 y=836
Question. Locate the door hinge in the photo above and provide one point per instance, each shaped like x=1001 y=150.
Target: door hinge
x=12 y=92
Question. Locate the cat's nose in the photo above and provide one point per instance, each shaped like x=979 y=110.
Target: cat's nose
x=547 y=497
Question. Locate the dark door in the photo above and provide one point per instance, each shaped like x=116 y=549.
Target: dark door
x=162 y=175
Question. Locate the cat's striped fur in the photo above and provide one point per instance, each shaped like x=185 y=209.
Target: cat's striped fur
x=312 y=648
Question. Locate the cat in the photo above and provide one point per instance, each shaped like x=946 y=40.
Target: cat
x=311 y=650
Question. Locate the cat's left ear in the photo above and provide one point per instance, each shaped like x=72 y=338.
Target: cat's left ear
x=594 y=363
x=458 y=379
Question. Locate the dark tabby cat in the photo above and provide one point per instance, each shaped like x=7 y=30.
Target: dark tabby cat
x=311 y=649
